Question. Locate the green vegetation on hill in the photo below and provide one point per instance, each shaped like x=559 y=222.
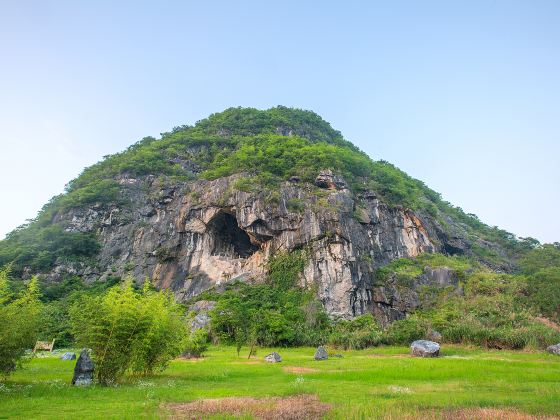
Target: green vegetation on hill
x=495 y=310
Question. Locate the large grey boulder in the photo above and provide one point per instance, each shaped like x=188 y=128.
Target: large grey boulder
x=321 y=353
x=83 y=371
x=424 y=348
x=273 y=358
x=555 y=349
x=68 y=356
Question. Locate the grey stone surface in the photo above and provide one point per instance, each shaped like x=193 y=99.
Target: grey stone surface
x=321 y=353
x=196 y=235
x=202 y=317
x=83 y=371
x=424 y=348
x=555 y=349
x=68 y=356
x=273 y=358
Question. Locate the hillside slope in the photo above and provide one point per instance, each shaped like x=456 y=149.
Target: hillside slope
x=209 y=204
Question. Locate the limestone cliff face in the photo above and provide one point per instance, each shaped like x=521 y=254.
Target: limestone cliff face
x=195 y=235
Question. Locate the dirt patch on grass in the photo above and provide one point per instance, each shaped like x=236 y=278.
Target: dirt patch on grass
x=298 y=407
x=298 y=369
x=479 y=414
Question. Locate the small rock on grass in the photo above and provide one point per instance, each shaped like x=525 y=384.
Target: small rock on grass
x=273 y=358
x=68 y=356
x=83 y=371
x=555 y=349
x=321 y=353
x=424 y=348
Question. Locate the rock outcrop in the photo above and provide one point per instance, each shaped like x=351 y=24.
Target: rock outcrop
x=195 y=235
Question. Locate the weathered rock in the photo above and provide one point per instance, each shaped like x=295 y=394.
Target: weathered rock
x=202 y=318
x=68 y=356
x=326 y=179
x=83 y=371
x=273 y=358
x=424 y=348
x=193 y=236
x=555 y=349
x=433 y=335
x=321 y=353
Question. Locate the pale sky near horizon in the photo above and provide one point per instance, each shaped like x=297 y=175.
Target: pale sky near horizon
x=464 y=95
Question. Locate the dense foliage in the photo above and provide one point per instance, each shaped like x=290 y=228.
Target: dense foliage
x=276 y=313
x=495 y=310
x=128 y=330
x=19 y=321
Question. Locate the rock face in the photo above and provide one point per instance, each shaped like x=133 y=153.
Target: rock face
x=68 y=356
x=273 y=358
x=424 y=348
x=555 y=349
x=321 y=353
x=83 y=371
x=191 y=236
x=202 y=318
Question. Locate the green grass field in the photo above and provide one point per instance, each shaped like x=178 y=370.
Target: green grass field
x=373 y=383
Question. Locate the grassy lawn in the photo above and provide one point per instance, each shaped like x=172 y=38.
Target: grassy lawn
x=373 y=383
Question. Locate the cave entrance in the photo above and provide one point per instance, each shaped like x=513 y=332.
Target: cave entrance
x=228 y=238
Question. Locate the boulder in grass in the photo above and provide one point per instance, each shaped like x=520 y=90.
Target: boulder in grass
x=555 y=349
x=424 y=348
x=273 y=358
x=68 y=356
x=83 y=371
x=321 y=353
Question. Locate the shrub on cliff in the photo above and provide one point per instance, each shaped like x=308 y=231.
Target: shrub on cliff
x=19 y=321
x=128 y=330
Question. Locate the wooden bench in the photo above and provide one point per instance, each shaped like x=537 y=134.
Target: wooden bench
x=43 y=345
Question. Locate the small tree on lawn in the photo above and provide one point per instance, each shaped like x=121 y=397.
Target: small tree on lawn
x=19 y=321
x=128 y=330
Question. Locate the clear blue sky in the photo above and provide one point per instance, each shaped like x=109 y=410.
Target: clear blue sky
x=464 y=95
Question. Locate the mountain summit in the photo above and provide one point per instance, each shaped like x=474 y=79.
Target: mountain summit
x=211 y=204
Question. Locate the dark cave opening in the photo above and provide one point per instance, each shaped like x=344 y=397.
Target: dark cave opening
x=228 y=238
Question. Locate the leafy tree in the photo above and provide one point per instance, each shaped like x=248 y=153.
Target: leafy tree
x=196 y=343
x=128 y=330
x=19 y=321
x=166 y=332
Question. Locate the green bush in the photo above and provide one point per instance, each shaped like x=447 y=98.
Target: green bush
x=405 y=331
x=196 y=343
x=358 y=333
x=128 y=330
x=19 y=322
